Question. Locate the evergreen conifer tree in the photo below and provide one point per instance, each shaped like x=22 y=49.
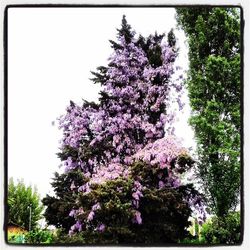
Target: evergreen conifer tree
x=59 y=205
x=131 y=165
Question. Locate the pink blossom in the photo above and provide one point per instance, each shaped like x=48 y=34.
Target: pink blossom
x=96 y=206
x=91 y=216
x=161 y=184
x=72 y=213
x=101 y=228
x=137 y=217
x=72 y=186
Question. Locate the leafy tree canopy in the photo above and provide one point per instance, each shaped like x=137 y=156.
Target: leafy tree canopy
x=215 y=92
x=20 y=199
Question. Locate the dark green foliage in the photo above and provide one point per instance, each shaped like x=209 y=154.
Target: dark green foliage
x=116 y=212
x=166 y=216
x=20 y=198
x=214 y=91
x=171 y=38
x=59 y=206
x=194 y=240
x=39 y=236
x=222 y=230
x=62 y=237
x=218 y=230
x=153 y=54
x=125 y=30
x=164 y=211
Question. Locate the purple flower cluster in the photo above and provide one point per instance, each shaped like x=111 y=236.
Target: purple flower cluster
x=137 y=217
x=162 y=152
x=123 y=124
x=77 y=227
x=137 y=193
x=101 y=228
x=110 y=172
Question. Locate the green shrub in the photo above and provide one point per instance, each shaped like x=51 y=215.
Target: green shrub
x=64 y=238
x=38 y=236
x=192 y=240
x=225 y=230
x=162 y=217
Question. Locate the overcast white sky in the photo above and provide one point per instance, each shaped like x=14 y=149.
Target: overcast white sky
x=50 y=54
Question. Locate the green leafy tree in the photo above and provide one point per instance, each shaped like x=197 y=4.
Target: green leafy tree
x=23 y=204
x=215 y=93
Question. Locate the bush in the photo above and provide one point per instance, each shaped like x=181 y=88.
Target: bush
x=38 y=236
x=223 y=230
x=194 y=240
x=162 y=216
x=63 y=238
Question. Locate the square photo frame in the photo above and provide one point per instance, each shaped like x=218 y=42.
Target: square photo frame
x=123 y=125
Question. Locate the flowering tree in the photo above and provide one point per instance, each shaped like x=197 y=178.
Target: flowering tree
x=126 y=149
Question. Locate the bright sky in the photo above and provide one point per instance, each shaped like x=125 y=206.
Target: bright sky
x=51 y=52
